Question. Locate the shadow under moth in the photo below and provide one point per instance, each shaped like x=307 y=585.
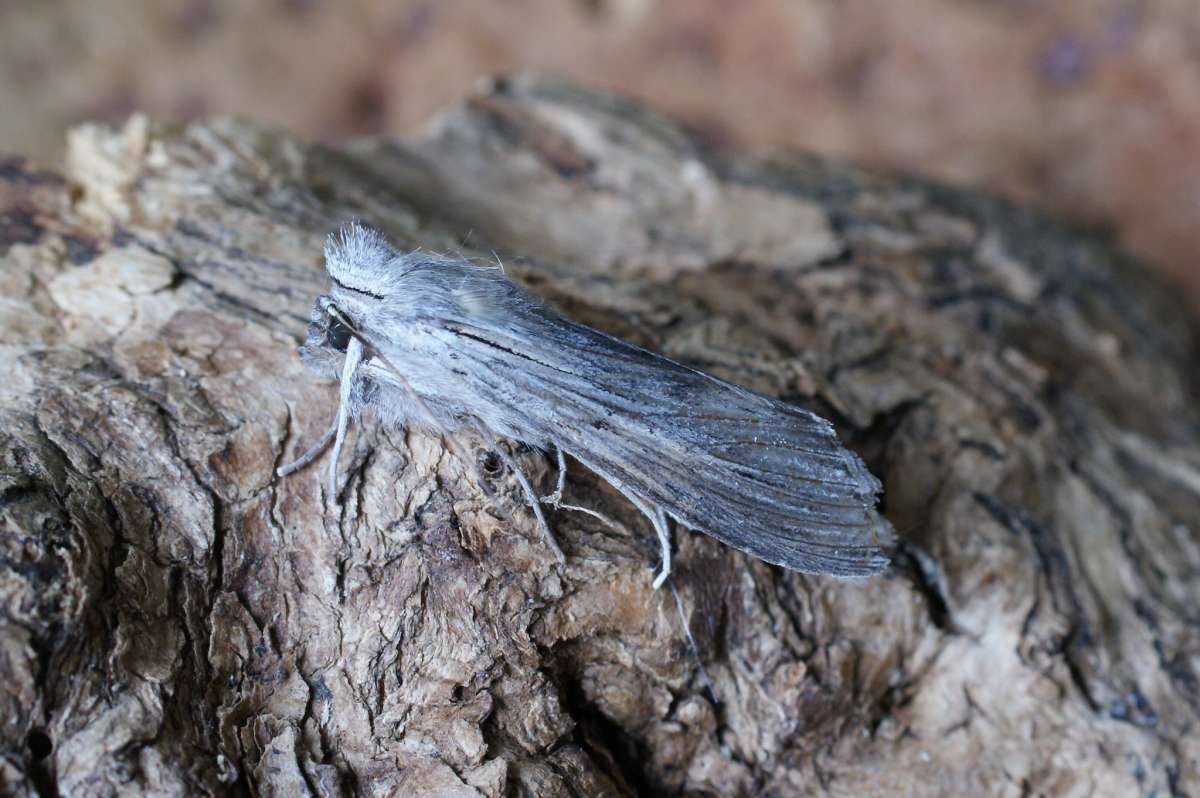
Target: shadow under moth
x=448 y=345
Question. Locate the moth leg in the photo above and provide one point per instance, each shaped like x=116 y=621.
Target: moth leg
x=312 y=454
x=663 y=528
x=532 y=496
x=601 y=517
x=555 y=498
x=658 y=519
x=354 y=352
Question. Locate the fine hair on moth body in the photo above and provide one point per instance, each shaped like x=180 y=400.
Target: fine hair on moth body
x=446 y=345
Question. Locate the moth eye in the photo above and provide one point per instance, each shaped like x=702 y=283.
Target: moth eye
x=337 y=335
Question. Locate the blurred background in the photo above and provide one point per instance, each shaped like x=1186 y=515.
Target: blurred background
x=1089 y=108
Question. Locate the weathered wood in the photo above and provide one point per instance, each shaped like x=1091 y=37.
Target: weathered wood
x=176 y=620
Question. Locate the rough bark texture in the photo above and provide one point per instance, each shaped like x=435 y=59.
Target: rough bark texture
x=178 y=621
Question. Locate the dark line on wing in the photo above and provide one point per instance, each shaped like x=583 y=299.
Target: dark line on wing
x=501 y=348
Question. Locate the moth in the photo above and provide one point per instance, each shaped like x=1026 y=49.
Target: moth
x=450 y=346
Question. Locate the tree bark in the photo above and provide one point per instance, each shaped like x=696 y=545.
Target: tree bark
x=177 y=620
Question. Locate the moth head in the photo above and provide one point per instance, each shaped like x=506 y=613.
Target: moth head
x=329 y=334
x=363 y=268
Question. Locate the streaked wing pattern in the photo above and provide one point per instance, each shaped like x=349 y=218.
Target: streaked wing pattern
x=760 y=475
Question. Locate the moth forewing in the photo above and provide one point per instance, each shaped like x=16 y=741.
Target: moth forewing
x=762 y=476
